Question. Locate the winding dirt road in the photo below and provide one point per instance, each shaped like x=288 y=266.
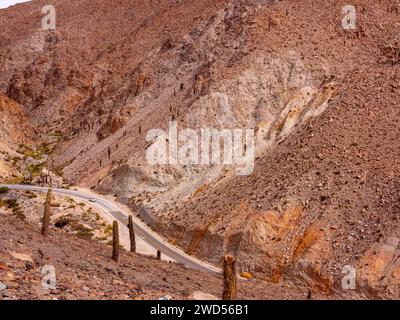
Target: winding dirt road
x=141 y=230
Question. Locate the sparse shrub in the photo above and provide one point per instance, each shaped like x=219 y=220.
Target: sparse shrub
x=246 y=275
x=15 y=180
x=14 y=206
x=35 y=154
x=19 y=214
x=81 y=230
x=15 y=161
x=62 y=222
x=11 y=203
x=35 y=169
x=4 y=190
x=58 y=172
x=58 y=134
x=109 y=229
x=87 y=233
x=30 y=194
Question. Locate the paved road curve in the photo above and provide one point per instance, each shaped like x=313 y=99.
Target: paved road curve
x=149 y=236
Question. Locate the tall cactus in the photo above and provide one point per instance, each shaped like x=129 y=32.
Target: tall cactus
x=46 y=214
x=115 y=254
x=159 y=255
x=132 y=234
x=230 y=286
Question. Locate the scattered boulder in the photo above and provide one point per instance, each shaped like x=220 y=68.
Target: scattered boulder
x=22 y=256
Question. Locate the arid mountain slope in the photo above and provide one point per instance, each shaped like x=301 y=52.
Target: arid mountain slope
x=106 y=87
x=322 y=100
x=84 y=270
x=328 y=196
x=15 y=130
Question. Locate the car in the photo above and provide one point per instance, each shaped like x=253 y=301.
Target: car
x=92 y=199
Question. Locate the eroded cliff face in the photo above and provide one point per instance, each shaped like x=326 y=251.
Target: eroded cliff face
x=16 y=130
x=196 y=63
x=322 y=102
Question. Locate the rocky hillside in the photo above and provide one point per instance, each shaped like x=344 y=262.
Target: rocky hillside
x=16 y=130
x=322 y=100
x=84 y=270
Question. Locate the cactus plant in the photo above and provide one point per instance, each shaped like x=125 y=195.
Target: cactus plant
x=46 y=214
x=115 y=254
x=230 y=287
x=132 y=234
